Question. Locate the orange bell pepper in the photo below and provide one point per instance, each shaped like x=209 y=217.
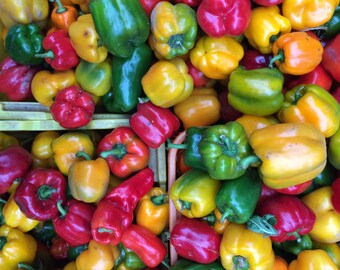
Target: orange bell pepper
x=62 y=15
x=280 y=263
x=316 y=259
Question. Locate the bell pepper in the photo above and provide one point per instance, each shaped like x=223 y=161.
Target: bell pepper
x=243 y=248
x=296 y=53
x=115 y=212
x=58 y=248
x=70 y=266
x=308 y=14
x=228 y=113
x=2 y=204
x=38 y=193
x=15 y=162
x=44 y=231
x=126 y=80
x=62 y=16
x=23 y=42
x=15 y=218
x=60 y=53
x=312 y=260
x=331 y=28
x=251 y=123
x=257 y=91
x=66 y=146
x=213 y=219
x=332 y=249
x=121 y=25
x=167 y=82
x=191 y=3
x=335 y=194
x=124 y=152
x=216 y=57
x=128 y=259
x=280 y=148
x=24 y=12
x=147 y=246
x=201 y=108
x=152 y=211
x=296 y=189
x=253 y=59
x=45 y=85
x=237 y=198
x=148 y=5
x=73 y=223
x=41 y=144
x=268 y=3
x=304 y=242
x=193 y=193
x=198 y=77
x=266 y=24
x=173 y=28
x=154 y=124
x=331 y=57
x=184 y=264
x=224 y=18
x=84 y=5
x=327 y=223
x=15 y=247
x=225 y=151
x=332 y=150
x=195 y=240
x=88 y=179
x=73 y=107
x=7 y=140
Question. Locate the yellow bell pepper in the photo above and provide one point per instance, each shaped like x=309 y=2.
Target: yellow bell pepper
x=316 y=259
x=24 y=12
x=265 y=25
x=16 y=247
x=7 y=140
x=84 y=39
x=216 y=58
x=70 y=266
x=327 y=223
x=251 y=123
x=3 y=52
x=41 y=145
x=152 y=211
x=84 y=5
x=241 y=247
x=332 y=249
x=291 y=153
x=45 y=85
x=304 y=14
x=15 y=218
x=66 y=146
x=168 y=82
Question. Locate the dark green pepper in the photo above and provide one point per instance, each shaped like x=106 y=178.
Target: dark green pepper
x=296 y=246
x=74 y=252
x=237 y=198
x=127 y=75
x=2 y=204
x=121 y=25
x=23 y=42
x=128 y=259
x=184 y=264
x=332 y=27
x=44 y=231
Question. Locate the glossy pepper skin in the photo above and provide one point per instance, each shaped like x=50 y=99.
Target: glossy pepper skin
x=173 y=28
x=312 y=260
x=312 y=104
x=154 y=124
x=304 y=242
x=265 y=25
x=335 y=196
x=121 y=25
x=115 y=212
x=223 y=17
x=128 y=259
x=38 y=193
x=331 y=57
x=148 y=5
x=15 y=247
x=289 y=141
x=195 y=240
x=256 y=91
x=297 y=53
x=41 y=144
x=73 y=107
x=253 y=59
x=15 y=162
x=124 y=151
x=332 y=26
x=126 y=86
x=332 y=249
x=225 y=150
x=23 y=42
x=44 y=231
x=216 y=57
x=62 y=16
x=241 y=247
x=251 y=122
x=183 y=264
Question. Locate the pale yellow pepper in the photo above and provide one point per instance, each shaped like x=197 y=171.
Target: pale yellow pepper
x=316 y=259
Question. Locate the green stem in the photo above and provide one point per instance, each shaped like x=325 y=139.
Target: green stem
x=160 y=199
x=142 y=100
x=175 y=41
x=62 y=210
x=226 y=214
x=61 y=8
x=118 y=151
x=176 y=145
x=48 y=54
x=210 y=218
x=296 y=234
x=25 y=266
x=122 y=255
x=240 y=263
x=185 y=205
x=104 y=230
x=3 y=201
x=229 y=147
x=82 y=154
x=247 y=161
x=45 y=192
x=3 y=241
x=263 y=225
x=298 y=94
x=273 y=38
x=279 y=57
x=166 y=264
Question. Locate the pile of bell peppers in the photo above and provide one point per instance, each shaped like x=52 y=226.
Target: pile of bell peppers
x=245 y=97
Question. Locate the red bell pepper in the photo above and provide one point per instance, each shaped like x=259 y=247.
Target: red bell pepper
x=154 y=124
x=295 y=190
x=124 y=152
x=39 y=191
x=73 y=223
x=59 y=248
x=191 y=3
x=115 y=212
x=73 y=107
x=336 y=94
x=198 y=77
x=219 y=18
x=289 y=215
x=335 y=198
x=331 y=57
x=266 y=193
x=148 y=5
x=15 y=162
x=195 y=240
x=148 y=247
x=268 y=3
x=60 y=53
x=253 y=59
x=15 y=80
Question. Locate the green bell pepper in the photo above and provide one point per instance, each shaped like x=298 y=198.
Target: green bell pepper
x=296 y=246
x=225 y=151
x=128 y=259
x=333 y=153
x=256 y=91
x=237 y=198
x=44 y=231
x=127 y=75
x=94 y=78
x=74 y=252
x=121 y=25
x=184 y=264
x=332 y=27
x=23 y=42
x=2 y=204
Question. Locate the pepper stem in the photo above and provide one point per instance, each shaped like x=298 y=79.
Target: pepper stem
x=142 y=100
x=298 y=94
x=25 y=266
x=240 y=263
x=185 y=205
x=279 y=57
x=210 y=218
x=122 y=254
x=175 y=41
x=160 y=199
x=60 y=8
x=45 y=192
x=167 y=266
x=104 y=230
x=118 y=151
x=48 y=54
x=296 y=234
x=229 y=147
x=82 y=154
x=62 y=210
x=176 y=145
x=226 y=214
x=263 y=225
x=3 y=241
x=3 y=201
x=247 y=161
